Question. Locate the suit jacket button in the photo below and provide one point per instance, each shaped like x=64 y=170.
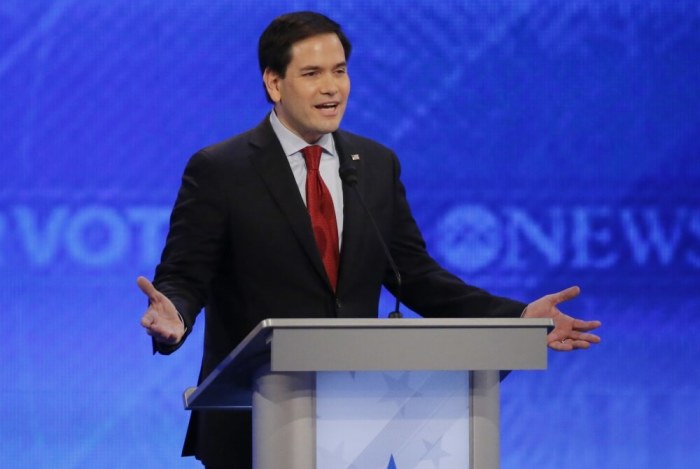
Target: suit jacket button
x=338 y=304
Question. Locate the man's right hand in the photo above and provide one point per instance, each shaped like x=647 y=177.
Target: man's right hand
x=161 y=320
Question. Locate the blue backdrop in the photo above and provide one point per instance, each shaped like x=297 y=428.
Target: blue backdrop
x=544 y=143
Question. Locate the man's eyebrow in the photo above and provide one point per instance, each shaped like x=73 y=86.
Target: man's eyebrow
x=310 y=68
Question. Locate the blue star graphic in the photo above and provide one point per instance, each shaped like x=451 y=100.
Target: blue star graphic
x=398 y=389
x=434 y=451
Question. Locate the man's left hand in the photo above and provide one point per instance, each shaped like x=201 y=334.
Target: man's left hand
x=568 y=333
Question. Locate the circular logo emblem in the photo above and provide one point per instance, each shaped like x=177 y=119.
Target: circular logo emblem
x=469 y=237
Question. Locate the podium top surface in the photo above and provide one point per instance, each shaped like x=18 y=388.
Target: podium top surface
x=422 y=323
x=307 y=345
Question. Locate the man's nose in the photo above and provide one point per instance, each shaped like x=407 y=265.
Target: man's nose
x=329 y=85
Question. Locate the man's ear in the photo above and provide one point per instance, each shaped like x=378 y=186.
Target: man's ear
x=272 y=84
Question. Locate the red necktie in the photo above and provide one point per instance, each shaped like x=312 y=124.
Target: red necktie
x=322 y=214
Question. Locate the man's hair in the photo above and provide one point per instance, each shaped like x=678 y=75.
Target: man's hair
x=275 y=44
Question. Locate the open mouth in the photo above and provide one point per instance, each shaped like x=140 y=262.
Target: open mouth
x=327 y=106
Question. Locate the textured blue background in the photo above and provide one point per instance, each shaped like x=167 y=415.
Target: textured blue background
x=544 y=143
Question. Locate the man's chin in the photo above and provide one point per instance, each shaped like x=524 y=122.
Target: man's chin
x=321 y=127
x=330 y=125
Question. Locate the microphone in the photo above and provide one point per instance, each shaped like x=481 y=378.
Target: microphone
x=348 y=174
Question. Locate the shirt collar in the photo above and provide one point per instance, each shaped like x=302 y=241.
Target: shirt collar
x=292 y=143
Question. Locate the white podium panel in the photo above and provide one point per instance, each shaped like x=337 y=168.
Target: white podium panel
x=393 y=419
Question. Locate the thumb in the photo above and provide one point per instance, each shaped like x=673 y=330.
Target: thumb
x=147 y=288
x=566 y=294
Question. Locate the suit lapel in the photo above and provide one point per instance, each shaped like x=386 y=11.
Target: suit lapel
x=271 y=164
x=354 y=216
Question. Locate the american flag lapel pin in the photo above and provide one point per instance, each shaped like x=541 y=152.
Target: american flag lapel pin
x=355 y=157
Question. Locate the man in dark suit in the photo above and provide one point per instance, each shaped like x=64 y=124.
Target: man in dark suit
x=246 y=243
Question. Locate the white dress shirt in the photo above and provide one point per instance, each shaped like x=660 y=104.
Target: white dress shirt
x=292 y=145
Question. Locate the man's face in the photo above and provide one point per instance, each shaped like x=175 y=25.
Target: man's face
x=310 y=100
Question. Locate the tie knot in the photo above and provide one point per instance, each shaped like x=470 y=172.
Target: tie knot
x=312 y=155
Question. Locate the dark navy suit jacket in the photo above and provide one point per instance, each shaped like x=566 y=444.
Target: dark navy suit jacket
x=241 y=246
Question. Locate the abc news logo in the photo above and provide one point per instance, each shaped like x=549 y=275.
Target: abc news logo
x=472 y=238
x=467 y=238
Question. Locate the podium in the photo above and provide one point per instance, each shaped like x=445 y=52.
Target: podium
x=276 y=369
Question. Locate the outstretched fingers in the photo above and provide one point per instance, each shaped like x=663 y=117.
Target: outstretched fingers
x=568 y=345
x=585 y=326
x=585 y=337
x=561 y=345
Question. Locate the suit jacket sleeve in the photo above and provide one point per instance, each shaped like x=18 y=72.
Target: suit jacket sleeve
x=195 y=241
